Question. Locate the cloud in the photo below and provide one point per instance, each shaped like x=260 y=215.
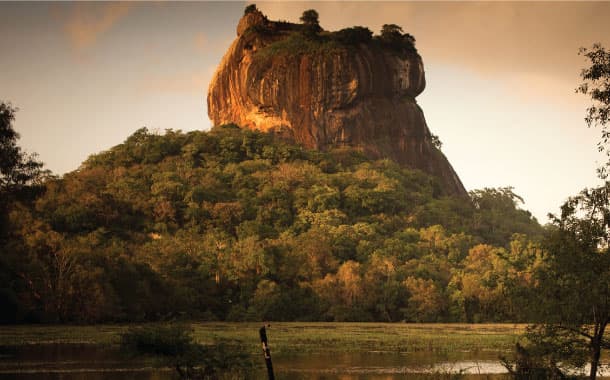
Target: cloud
x=86 y=22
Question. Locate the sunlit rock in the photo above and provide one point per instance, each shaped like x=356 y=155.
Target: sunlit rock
x=322 y=93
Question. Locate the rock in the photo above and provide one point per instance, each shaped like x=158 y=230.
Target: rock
x=322 y=94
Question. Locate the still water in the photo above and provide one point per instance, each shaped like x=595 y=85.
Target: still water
x=91 y=362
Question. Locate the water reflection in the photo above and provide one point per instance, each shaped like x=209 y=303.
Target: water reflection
x=74 y=362
x=90 y=362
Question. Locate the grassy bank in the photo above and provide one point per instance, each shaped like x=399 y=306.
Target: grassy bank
x=300 y=337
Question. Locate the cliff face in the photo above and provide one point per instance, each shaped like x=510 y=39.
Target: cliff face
x=327 y=95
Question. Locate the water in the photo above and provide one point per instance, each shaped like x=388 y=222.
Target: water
x=91 y=362
x=74 y=362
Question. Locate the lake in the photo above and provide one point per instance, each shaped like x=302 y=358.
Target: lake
x=300 y=350
x=97 y=362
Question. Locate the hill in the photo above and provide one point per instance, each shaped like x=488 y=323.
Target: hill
x=235 y=224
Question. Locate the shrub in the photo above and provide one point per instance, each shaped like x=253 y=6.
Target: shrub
x=250 y=9
x=174 y=345
x=353 y=36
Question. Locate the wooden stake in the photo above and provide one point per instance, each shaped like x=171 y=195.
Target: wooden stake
x=263 y=334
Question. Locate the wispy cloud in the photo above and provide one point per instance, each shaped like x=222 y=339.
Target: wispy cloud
x=87 y=21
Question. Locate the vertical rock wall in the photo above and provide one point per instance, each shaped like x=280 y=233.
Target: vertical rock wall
x=362 y=96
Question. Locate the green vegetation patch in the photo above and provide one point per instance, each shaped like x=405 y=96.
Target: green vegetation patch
x=294 y=337
x=296 y=44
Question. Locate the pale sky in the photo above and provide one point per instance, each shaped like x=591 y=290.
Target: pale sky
x=500 y=79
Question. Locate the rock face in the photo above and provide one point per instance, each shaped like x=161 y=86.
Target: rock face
x=327 y=95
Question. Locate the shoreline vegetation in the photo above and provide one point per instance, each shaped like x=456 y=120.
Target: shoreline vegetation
x=297 y=337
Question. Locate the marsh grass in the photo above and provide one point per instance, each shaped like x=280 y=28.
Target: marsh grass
x=297 y=337
x=367 y=337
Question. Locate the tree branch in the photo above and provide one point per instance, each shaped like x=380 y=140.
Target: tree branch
x=577 y=331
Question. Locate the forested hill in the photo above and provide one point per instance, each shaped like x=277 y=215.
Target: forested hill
x=233 y=225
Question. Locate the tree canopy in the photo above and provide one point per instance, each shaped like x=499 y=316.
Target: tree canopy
x=17 y=168
x=596 y=84
x=572 y=292
x=311 y=22
x=233 y=224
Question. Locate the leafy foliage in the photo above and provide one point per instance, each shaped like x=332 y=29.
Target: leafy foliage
x=232 y=224
x=293 y=40
x=596 y=84
x=572 y=292
x=573 y=285
x=21 y=178
x=539 y=358
x=174 y=345
x=392 y=36
x=250 y=9
x=353 y=36
x=20 y=173
x=310 y=20
x=17 y=169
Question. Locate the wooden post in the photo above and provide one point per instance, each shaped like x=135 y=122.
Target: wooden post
x=263 y=334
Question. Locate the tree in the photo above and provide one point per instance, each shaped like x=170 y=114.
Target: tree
x=391 y=33
x=596 y=84
x=19 y=173
x=174 y=346
x=310 y=20
x=354 y=35
x=250 y=9
x=574 y=283
x=574 y=278
x=426 y=303
x=17 y=169
x=497 y=215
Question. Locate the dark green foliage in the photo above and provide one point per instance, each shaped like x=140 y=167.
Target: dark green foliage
x=294 y=45
x=391 y=33
x=310 y=17
x=596 y=84
x=175 y=347
x=162 y=340
x=234 y=224
x=573 y=289
x=546 y=352
x=536 y=365
x=21 y=181
x=250 y=9
x=392 y=37
x=353 y=36
x=497 y=217
x=17 y=169
x=21 y=174
x=311 y=23
x=294 y=40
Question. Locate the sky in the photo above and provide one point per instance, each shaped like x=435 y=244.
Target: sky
x=500 y=79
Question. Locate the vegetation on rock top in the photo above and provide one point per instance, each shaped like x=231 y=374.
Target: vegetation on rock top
x=287 y=39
